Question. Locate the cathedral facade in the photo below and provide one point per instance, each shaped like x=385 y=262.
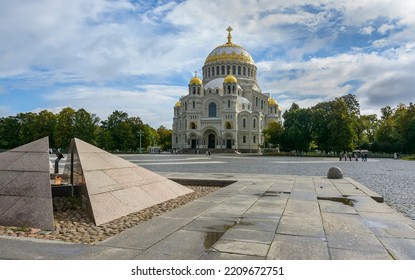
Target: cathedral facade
x=226 y=109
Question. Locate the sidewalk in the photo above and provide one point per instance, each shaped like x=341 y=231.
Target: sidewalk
x=255 y=217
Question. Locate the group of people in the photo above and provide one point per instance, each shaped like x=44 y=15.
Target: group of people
x=354 y=155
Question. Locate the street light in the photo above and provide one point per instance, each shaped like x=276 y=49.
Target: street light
x=140 y=133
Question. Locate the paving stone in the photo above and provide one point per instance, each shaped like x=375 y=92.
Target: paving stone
x=244 y=248
x=348 y=189
x=301 y=225
x=367 y=204
x=344 y=254
x=13 y=248
x=289 y=247
x=400 y=248
x=210 y=225
x=104 y=253
x=191 y=210
x=146 y=234
x=336 y=207
x=256 y=236
x=299 y=206
x=303 y=195
x=227 y=256
x=388 y=225
x=264 y=225
x=181 y=245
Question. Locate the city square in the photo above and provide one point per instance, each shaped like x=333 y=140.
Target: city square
x=271 y=208
x=169 y=133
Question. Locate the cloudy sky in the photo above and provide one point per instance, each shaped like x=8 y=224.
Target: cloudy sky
x=138 y=56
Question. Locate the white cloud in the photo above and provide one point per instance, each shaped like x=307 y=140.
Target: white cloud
x=102 y=42
x=385 y=28
x=367 y=30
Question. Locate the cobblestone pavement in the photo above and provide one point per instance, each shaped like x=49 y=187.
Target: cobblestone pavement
x=393 y=179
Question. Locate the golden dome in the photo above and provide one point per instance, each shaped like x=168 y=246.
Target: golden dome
x=229 y=52
x=230 y=79
x=272 y=101
x=195 y=81
x=178 y=104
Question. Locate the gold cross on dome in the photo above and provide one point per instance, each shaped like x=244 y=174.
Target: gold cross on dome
x=195 y=73
x=229 y=29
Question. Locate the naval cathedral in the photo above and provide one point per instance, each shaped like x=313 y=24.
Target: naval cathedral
x=226 y=109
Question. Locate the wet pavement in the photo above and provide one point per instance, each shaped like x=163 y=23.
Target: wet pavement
x=392 y=179
x=255 y=217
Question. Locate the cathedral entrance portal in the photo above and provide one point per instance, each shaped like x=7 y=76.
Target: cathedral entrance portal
x=228 y=143
x=211 y=141
x=193 y=143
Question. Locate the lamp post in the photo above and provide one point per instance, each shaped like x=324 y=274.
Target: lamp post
x=140 y=133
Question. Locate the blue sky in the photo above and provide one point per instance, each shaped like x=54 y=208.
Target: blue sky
x=138 y=56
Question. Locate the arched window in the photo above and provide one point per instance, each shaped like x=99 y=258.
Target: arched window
x=229 y=104
x=228 y=69
x=244 y=123
x=217 y=91
x=217 y=70
x=244 y=139
x=249 y=71
x=254 y=140
x=254 y=123
x=244 y=71
x=228 y=125
x=185 y=106
x=193 y=104
x=229 y=89
x=192 y=125
x=194 y=90
x=212 y=110
x=213 y=71
x=233 y=69
x=239 y=70
x=223 y=69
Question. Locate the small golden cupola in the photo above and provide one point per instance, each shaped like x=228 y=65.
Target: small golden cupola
x=230 y=79
x=178 y=104
x=195 y=85
x=195 y=80
x=272 y=102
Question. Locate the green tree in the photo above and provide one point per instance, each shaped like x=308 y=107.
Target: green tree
x=273 y=134
x=334 y=124
x=64 y=127
x=341 y=127
x=297 y=129
x=164 y=137
x=45 y=123
x=28 y=129
x=9 y=132
x=85 y=126
x=366 y=127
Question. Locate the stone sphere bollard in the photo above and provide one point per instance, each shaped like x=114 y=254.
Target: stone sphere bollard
x=335 y=173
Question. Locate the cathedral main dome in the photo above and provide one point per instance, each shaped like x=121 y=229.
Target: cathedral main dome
x=227 y=59
x=229 y=52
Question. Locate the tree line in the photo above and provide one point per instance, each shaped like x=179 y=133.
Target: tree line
x=338 y=126
x=118 y=132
